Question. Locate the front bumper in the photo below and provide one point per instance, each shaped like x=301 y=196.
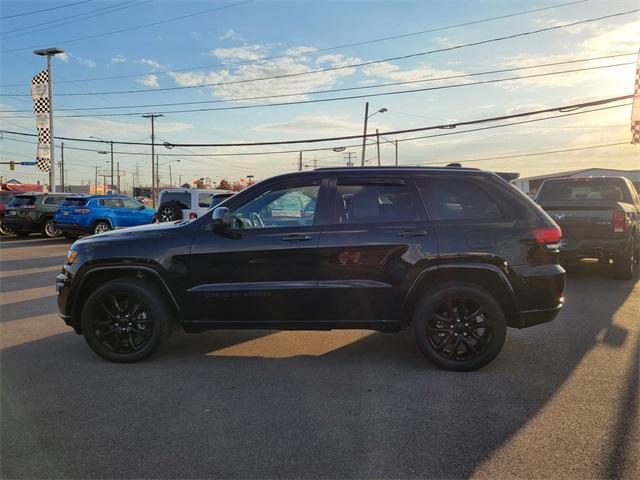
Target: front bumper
x=63 y=290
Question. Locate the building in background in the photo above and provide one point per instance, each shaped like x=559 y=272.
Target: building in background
x=530 y=185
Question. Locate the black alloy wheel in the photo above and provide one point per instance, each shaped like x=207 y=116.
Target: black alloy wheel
x=460 y=327
x=124 y=321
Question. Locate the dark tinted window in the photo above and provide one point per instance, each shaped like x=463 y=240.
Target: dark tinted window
x=22 y=200
x=447 y=199
x=371 y=202
x=583 y=190
x=74 y=202
x=218 y=199
x=204 y=200
x=182 y=198
x=5 y=197
x=53 y=200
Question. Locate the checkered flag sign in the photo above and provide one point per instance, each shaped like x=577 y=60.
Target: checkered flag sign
x=41 y=108
x=635 y=112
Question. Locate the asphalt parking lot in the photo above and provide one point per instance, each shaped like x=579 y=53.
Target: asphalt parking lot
x=561 y=401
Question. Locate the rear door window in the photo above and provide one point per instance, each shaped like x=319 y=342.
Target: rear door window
x=183 y=199
x=375 y=201
x=449 y=199
x=23 y=200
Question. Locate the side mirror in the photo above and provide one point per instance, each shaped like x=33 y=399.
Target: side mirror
x=221 y=218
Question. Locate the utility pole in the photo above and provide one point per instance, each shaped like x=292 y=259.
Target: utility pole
x=180 y=180
x=170 y=177
x=153 y=116
x=378 y=145
x=396 y=142
x=118 y=188
x=62 y=166
x=364 y=133
x=111 y=144
x=157 y=172
x=348 y=157
x=96 y=184
x=49 y=53
x=300 y=162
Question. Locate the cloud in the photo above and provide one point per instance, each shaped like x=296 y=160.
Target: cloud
x=150 y=80
x=248 y=52
x=151 y=63
x=312 y=123
x=64 y=57
x=118 y=59
x=230 y=35
x=390 y=71
x=279 y=67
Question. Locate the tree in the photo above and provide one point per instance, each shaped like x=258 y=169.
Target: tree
x=224 y=184
x=199 y=183
x=185 y=185
x=237 y=186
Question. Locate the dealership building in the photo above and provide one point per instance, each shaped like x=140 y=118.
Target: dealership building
x=530 y=185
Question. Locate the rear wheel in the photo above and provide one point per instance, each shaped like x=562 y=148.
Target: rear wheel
x=5 y=229
x=101 y=227
x=169 y=212
x=459 y=327
x=49 y=229
x=125 y=320
x=625 y=266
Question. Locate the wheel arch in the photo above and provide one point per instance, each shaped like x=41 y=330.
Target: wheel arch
x=96 y=220
x=488 y=277
x=100 y=274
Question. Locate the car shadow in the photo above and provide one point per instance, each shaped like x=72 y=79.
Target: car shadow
x=298 y=404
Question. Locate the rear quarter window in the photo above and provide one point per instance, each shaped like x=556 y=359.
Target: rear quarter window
x=74 y=202
x=204 y=200
x=53 y=200
x=183 y=199
x=459 y=199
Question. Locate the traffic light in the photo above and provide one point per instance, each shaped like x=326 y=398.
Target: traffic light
x=12 y=165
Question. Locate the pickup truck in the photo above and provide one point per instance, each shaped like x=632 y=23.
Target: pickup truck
x=599 y=217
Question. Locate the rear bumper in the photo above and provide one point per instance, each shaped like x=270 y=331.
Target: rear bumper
x=22 y=224
x=576 y=249
x=539 y=293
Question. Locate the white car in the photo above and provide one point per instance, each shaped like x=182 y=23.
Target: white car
x=187 y=203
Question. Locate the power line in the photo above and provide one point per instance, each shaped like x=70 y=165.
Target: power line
x=362 y=64
x=561 y=109
x=137 y=27
x=39 y=27
x=334 y=99
x=531 y=154
x=326 y=49
x=316 y=92
x=43 y=10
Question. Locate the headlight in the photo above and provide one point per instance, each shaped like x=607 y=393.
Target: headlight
x=71 y=257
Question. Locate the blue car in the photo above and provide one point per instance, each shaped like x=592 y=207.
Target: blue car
x=94 y=214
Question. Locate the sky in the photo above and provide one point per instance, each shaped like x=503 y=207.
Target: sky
x=166 y=50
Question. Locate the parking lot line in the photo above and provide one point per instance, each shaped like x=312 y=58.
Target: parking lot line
x=7 y=298
x=17 y=332
x=28 y=271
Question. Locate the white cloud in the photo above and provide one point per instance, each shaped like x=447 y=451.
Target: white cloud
x=248 y=52
x=64 y=57
x=390 y=71
x=82 y=61
x=279 y=67
x=151 y=63
x=313 y=123
x=118 y=59
x=230 y=34
x=299 y=50
x=150 y=81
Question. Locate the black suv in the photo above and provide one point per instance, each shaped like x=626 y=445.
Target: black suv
x=457 y=253
x=33 y=213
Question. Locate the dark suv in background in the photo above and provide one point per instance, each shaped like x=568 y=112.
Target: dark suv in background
x=459 y=254
x=33 y=213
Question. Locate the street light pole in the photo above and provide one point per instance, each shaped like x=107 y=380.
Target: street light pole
x=50 y=52
x=153 y=116
x=378 y=145
x=111 y=144
x=364 y=133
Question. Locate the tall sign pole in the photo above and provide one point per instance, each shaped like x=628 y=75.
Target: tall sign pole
x=47 y=52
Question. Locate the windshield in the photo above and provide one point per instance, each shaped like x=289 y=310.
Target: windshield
x=583 y=190
x=22 y=201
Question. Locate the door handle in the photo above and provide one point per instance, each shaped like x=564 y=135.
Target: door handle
x=413 y=233
x=296 y=237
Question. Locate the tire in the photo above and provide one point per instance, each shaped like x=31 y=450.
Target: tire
x=49 y=230
x=169 y=212
x=5 y=229
x=125 y=320
x=101 y=227
x=625 y=267
x=458 y=345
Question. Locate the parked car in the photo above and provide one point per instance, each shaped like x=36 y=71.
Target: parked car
x=600 y=218
x=457 y=253
x=95 y=214
x=178 y=203
x=33 y=213
x=5 y=198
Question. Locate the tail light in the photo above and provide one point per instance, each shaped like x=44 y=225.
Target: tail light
x=81 y=211
x=619 y=221
x=548 y=236
x=193 y=215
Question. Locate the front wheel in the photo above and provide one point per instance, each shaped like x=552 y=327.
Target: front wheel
x=49 y=229
x=459 y=327
x=125 y=320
